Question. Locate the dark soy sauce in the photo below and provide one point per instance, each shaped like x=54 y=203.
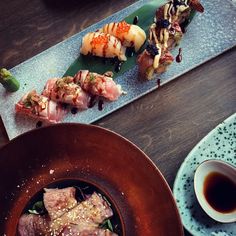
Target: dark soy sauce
x=130 y=51
x=135 y=21
x=100 y=105
x=179 y=57
x=118 y=66
x=220 y=192
x=74 y=110
x=39 y=124
x=93 y=101
x=83 y=189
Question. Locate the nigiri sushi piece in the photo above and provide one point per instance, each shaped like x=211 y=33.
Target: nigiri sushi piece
x=152 y=60
x=40 y=107
x=66 y=91
x=100 y=85
x=129 y=35
x=102 y=45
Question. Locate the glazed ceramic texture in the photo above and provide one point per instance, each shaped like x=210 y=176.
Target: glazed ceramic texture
x=219 y=144
x=208 y=35
x=94 y=155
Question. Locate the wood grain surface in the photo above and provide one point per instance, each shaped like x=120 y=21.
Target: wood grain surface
x=167 y=123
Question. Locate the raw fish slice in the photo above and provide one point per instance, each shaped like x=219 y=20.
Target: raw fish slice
x=129 y=35
x=59 y=201
x=40 y=107
x=97 y=84
x=66 y=91
x=102 y=45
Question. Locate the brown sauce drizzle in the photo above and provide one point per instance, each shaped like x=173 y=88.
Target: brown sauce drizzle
x=130 y=51
x=74 y=110
x=118 y=65
x=179 y=57
x=135 y=21
x=100 y=105
x=39 y=124
x=93 y=101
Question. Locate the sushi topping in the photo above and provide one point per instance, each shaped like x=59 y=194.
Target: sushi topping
x=33 y=100
x=172 y=30
x=180 y=3
x=163 y=23
x=122 y=27
x=100 y=39
x=152 y=49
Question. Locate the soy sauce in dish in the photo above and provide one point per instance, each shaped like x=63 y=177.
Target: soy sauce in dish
x=220 y=192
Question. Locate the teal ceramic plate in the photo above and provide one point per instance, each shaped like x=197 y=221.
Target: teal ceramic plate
x=219 y=144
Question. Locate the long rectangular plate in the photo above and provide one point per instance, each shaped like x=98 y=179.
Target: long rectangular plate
x=207 y=36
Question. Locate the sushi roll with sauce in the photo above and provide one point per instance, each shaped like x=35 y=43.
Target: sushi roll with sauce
x=155 y=58
x=171 y=19
x=66 y=91
x=102 y=45
x=40 y=107
x=100 y=85
x=165 y=33
x=129 y=35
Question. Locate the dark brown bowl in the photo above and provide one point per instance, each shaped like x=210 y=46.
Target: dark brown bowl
x=74 y=151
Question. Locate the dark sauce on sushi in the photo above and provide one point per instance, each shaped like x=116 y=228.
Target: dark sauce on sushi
x=74 y=110
x=135 y=21
x=220 y=192
x=100 y=105
x=179 y=56
x=93 y=101
x=39 y=124
x=118 y=66
x=64 y=106
x=83 y=189
x=130 y=51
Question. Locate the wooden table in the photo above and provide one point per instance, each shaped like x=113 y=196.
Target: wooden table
x=167 y=123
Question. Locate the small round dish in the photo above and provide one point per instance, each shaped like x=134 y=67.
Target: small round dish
x=94 y=155
x=216 y=169
x=219 y=144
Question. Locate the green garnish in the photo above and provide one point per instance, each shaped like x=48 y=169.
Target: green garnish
x=107 y=225
x=8 y=81
x=92 y=77
x=38 y=208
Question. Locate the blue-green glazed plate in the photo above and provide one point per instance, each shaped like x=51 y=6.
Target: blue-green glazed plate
x=219 y=144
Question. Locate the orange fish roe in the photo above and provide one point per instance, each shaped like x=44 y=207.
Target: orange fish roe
x=100 y=39
x=123 y=27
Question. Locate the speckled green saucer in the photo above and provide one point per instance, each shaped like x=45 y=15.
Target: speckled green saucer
x=219 y=144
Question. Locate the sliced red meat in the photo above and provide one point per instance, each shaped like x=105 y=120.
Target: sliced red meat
x=73 y=230
x=59 y=201
x=94 y=210
x=32 y=225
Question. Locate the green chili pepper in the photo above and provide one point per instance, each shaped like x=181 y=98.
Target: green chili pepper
x=8 y=81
